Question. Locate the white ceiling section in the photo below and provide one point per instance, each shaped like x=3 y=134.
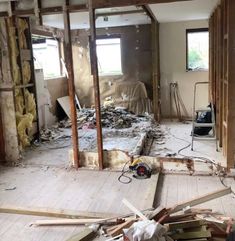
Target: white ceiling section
x=80 y=20
x=183 y=11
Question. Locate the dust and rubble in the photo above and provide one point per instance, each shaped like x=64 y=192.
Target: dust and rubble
x=122 y=130
x=183 y=221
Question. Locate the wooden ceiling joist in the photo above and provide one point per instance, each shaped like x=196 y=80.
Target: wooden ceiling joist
x=149 y=12
x=83 y=7
x=123 y=3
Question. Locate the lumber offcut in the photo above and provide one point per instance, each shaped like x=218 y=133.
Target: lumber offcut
x=85 y=235
x=201 y=199
x=68 y=222
x=56 y=213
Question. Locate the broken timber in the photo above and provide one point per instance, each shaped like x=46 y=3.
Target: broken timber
x=201 y=199
x=56 y=213
x=85 y=235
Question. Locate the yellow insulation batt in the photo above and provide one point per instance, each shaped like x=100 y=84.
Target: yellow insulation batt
x=24 y=123
x=26 y=72
x=30 y=104
x=19 y=101
x=22 y=26
x=14 y=53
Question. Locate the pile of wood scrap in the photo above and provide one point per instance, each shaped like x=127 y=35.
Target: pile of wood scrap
x=181 y=222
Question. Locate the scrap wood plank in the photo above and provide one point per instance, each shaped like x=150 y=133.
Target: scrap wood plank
x=118 y=230
x=56 y=213
x=201 y=199
x=191 y=235
x=68 y=222
x=185 y=224
x=85 y=235
x=154 y=214
x=134 y=209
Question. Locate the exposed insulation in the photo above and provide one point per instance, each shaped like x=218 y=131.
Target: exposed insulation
x=22 y=26
x=14 y=53
x=24 y=123
x=26 y=72
x=19 y=101
x=30 y=104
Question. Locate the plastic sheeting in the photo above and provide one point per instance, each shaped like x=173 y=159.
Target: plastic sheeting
x=133 y=96
x=146 y=231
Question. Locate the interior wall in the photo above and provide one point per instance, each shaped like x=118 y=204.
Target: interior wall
x=173 y=66
x=48 y=91
x=136 y=61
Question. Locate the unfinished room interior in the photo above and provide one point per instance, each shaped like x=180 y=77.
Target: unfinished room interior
x=100 y=98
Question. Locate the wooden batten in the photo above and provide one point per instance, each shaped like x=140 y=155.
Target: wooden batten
x=95 y=74
x=69 y=65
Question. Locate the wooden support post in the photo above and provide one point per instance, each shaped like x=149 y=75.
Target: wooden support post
x=155 y=69
x=231 y=85
x=95 y=73
x=69 y=65
x=37 y=12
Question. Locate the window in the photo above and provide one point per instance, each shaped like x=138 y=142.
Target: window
x=46 y=54
x=197 y=49
x=109 y=56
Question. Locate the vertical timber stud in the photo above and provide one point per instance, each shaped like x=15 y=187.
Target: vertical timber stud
x=69 y=65
x=94 y=71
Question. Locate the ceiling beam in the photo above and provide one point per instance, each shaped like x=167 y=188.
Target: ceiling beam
x=124 y=3
x=149 y=12
x=83 y=7
x=119 y=13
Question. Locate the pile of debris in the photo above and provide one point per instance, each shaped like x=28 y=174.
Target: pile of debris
x=180 y=222
x=118 y=118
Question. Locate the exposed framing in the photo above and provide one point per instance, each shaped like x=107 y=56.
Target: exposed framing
x=222 y=75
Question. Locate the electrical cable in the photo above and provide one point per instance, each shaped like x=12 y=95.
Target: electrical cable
x=202 y=159
x=123 y=175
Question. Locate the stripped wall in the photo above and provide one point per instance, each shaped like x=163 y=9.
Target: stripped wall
x=173 y=66
x=136 y=61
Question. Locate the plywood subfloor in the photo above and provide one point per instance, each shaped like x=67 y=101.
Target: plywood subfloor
x=81 y=190
x=177 y=135
x=56 y=153
x=178 y=188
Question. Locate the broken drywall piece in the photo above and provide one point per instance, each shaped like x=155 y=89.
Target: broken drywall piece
x=65 y=104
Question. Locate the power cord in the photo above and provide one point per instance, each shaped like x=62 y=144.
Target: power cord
x=123 y=175
x=221 y=173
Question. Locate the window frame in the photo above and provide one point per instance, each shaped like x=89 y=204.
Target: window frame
x=194 y=30
x=111 y=36
x=47 y=35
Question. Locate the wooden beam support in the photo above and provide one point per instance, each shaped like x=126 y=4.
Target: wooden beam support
x=149 y=12
x=95 y=73
x=230 y=84
x=37 y=7
x=69 y=65
x=96 y=4
x=123 y=3
x=155 y=67
x=119 y=13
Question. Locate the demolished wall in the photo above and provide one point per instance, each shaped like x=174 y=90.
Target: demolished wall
x=7 y=99
x=136 y=62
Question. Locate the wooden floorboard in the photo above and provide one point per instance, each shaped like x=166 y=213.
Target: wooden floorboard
x=179 y=188
x=83 y=190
